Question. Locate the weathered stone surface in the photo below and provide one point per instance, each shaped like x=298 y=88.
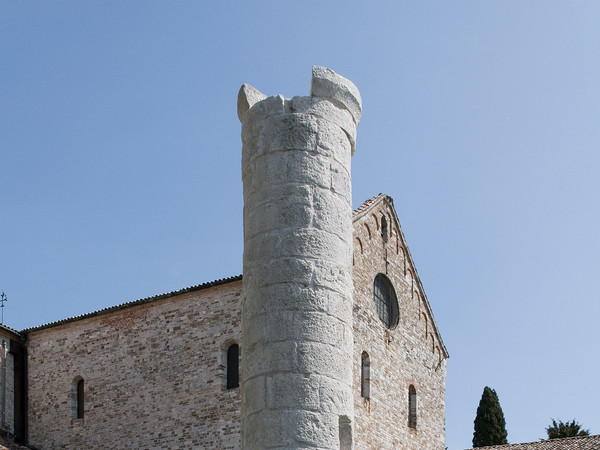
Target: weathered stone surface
x=304 y=238
x=247 y=97
x=329 y=85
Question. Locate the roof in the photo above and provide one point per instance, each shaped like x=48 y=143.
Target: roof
x=9 y=330
x=571 y=443
x=154 y=298
x=362 y=209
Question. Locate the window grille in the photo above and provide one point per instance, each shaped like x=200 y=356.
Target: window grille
x=385 y=299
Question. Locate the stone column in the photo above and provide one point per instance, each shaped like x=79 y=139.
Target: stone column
x=297 y=288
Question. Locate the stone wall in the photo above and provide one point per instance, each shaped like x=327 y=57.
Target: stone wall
x=409 y=354
x=297 y=292
x=153 y=376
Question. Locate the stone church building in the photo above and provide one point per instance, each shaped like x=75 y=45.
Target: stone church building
x=327 y=341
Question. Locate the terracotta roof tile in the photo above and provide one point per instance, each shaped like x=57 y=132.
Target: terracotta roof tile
x=198 y=287
x=366 y=205
x=572 y=443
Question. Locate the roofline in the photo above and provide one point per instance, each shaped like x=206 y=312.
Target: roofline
x=362 y=211
x=198 y=287
x=10 y=330
x=557 y=441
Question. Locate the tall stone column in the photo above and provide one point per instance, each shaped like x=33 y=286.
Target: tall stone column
x=297 y=290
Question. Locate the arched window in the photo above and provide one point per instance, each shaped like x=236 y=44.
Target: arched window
x=233 y=366
x=384 y=229
x=365 y=375
x=412 y=407
x=77 y=395
x=385 y=299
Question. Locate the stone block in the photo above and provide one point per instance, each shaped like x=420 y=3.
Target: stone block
x=293 y=391
x=289 y=132
x=334 y=397
x=266 y=358
x=329 y=85
x=247 y=97
x=323 y=359
x=288 y=297
x=254 y=394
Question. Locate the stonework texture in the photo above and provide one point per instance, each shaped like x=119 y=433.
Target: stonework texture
x=297 y=291
x=412 y=353
x=154 y=376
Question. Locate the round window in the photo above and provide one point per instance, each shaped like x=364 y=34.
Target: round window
x=385 y=299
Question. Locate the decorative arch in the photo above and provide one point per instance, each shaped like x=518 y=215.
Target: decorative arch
x=409 y=275
x=403 y=257
x=424 y=317
x=359 y=245
x=376 y=221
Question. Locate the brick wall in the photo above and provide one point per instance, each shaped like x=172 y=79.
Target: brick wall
x=153 y=376
x=411 y=353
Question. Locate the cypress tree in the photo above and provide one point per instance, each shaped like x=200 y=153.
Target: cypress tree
x=490 y=427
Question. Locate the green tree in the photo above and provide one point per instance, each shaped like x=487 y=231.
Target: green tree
x=565 y=429
x=490 y=427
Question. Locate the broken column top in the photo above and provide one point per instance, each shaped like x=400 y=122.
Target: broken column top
x=325 y=84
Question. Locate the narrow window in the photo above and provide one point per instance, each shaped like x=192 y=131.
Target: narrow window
x=78 y=397
x=384 y=229
x=365 y=376
x=412 y=407
x=233 y=366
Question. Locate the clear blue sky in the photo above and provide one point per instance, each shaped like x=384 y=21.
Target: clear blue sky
x=120 y=166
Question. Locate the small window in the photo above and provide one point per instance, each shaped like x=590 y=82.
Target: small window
x=384 y=229
x=77 y=395
x=365 y=375
x=385 y=299
x=233 y=366
x=412 y=407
